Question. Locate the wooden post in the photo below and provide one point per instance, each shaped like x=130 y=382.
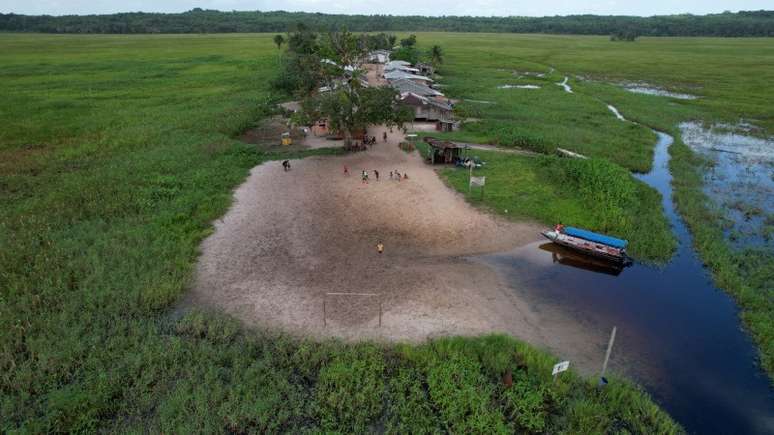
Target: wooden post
x=380 y=312
x=607 y=354
x=470 y=177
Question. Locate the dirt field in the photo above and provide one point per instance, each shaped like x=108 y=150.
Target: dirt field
x=292 y=237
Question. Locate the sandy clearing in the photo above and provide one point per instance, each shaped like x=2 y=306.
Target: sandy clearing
x=291 y=237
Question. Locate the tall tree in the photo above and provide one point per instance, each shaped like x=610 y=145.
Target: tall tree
x=347 y=104
x=279 y=40
x=436 y=55
x=409 y=42
x=351 y=108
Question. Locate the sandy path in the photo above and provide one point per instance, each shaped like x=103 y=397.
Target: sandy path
x=291 y=237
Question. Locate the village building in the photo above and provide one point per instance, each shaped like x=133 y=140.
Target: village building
x=396 y=66
x=425 y=69
x=443 y=151
x=379 y=56
x=404 y=86
x=398 y=75
x=427 y=109
x=399 y=62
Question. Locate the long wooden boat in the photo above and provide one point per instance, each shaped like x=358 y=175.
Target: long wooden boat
x=590 y=243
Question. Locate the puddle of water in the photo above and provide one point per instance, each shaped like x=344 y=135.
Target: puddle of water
x=650 y=90
x=518 y=87
x=479 y=101
x=740 y=181
x=615 y=111
x=519 y=74
x=678 y=335
x=564 y=84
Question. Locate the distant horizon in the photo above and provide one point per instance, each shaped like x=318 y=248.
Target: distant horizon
x=397 y=8
x=390 y=15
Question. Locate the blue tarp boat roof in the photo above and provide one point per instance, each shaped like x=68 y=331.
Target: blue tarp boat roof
x=594 y=237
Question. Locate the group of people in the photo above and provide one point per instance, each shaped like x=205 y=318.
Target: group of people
x=395 y=175
x=364 y=175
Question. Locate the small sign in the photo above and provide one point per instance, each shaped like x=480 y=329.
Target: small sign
x=560 y=367
x=477 y=181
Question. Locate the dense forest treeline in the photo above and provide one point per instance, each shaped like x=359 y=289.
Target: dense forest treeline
x=749 y=23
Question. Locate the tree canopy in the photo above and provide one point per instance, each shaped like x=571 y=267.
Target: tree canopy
x=325 y=72
x=744 y=23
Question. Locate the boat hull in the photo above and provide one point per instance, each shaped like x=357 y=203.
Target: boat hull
x=593 y=249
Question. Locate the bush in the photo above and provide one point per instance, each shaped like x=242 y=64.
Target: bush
x=350 y=389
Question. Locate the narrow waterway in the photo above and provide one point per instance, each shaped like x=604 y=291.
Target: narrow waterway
x=678 y=335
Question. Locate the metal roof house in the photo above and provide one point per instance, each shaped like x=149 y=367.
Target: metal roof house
x=398 y=75
x=405 y=86
x=427 y=109
x=443 y=151
x=379 y=56
x=401 y=68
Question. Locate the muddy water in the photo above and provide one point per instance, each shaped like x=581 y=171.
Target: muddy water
x=678 y=335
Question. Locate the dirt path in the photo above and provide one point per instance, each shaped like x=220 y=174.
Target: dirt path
x=292 y=237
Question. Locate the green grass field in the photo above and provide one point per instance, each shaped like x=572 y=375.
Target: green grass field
x=731 y=76
x=116 y=154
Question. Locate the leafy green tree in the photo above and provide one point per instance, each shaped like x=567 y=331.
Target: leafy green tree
x=345 y=48
x=303 y=40
x=392 y=39
x=348 y=105
x=279 y=40
x=351 y=108
x=409 y=42
x=409 y=54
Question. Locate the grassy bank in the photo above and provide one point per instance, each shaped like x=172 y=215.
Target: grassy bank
x=729 y=75
x=593 y=194
x=746 y=274
x=117 y=153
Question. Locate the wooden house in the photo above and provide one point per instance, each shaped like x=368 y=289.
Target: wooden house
x=426 y=109
x=443 y=151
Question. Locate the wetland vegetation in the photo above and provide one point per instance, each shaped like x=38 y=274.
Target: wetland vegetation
x=729 y=76
x=117 y=155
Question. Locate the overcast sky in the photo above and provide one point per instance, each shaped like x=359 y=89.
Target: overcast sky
x=394 y=7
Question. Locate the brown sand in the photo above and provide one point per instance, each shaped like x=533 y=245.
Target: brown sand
x=292 y=237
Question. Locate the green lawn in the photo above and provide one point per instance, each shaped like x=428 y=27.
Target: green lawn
x=732 y=77
x=116 y=154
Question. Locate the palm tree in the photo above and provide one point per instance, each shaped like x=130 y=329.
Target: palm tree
x=436 y=55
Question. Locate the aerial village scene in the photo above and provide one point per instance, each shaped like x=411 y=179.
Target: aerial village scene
x=367 y=231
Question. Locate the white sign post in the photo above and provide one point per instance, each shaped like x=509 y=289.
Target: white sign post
x=559 y=368
x=477 y=181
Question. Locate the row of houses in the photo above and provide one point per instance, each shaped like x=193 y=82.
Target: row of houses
x=412 y=83
x=416 y=91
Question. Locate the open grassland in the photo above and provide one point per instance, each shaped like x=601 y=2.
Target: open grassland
x=732 y=77
x=116 y=154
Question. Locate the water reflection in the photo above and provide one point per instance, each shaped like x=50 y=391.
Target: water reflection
x=679 y=335
x=568 y=257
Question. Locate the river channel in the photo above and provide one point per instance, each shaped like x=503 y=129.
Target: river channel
x=677 y=334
